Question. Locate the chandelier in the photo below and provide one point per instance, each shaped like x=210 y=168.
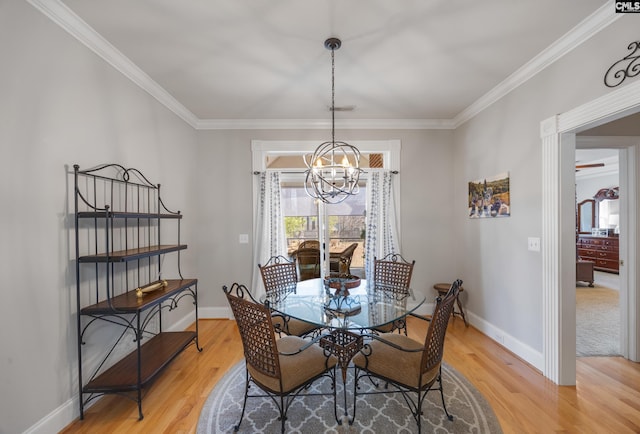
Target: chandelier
x=333 y=171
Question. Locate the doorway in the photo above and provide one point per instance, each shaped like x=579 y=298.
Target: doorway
x=558 y=135
x=598 y=308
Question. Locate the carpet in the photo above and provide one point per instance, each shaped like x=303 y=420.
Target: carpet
x=375 y=413
x=597 y=321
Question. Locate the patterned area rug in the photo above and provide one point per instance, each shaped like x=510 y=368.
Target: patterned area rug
x=375 y=413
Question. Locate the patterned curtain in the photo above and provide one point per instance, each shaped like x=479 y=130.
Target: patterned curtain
x=382 y=230
x=269 y=231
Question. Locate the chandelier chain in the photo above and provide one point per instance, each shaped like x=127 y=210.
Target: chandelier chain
x=333 y=96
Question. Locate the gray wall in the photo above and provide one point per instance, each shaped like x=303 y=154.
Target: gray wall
x=61 y=105
x=426 y=201
x=503 y=277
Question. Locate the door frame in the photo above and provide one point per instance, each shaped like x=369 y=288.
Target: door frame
x=558 y=134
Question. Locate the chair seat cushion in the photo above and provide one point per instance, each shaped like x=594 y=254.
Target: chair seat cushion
x=294 y=327
x=399 y=366
x=298 y=369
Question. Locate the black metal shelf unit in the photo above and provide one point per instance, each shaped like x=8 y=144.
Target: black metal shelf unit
x=119 y=281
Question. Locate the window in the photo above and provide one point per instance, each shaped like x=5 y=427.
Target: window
x=303 y=218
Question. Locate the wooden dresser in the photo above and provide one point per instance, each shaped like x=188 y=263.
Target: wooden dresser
x=602 y=251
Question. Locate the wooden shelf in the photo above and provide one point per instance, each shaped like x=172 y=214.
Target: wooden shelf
x=132 y=254
x=155 y=354
x=130 y=303
x=113 y=289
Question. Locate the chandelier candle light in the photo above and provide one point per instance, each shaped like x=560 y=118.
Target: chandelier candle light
x=333 y=171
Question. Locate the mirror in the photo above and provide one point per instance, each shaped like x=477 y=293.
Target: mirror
x=608 y=209
x=586 y=216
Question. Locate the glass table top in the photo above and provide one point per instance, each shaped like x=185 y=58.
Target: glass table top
x=363 y=307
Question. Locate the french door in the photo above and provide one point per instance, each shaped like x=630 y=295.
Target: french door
x=334 y=226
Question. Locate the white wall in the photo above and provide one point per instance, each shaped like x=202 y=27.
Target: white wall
x=587 y=187
x=60 y=104
x=503 y=277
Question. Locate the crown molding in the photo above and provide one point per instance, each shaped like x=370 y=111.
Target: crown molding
x=60 y=14
x=590 y=26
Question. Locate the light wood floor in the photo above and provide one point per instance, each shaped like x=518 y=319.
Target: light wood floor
x=605 y=400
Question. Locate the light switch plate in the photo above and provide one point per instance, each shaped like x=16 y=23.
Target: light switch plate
x=534 y=244
x=243 y=238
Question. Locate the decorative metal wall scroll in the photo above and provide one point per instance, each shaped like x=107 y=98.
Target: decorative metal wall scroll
x=627 y=67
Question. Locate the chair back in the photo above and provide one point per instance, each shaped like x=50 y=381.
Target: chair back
x=434 y=341
x=279 y=275
x=309 y=244
x=393 y=272
x=308 y=263
x=256 y=330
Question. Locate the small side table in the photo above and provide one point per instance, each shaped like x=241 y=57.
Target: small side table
x=442 y=289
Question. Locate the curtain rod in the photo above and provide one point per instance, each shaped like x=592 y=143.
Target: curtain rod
x=290 y=172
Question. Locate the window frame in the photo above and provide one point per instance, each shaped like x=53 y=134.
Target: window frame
x=261 y=149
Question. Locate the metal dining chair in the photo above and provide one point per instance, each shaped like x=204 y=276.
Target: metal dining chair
x=392 y=276
x=282 y=368
x=280 y=277
x=411 y=367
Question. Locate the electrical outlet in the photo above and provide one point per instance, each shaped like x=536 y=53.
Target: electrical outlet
x=534 y=244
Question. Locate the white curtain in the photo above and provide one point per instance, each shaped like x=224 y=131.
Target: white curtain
x=382 y=229
x=269 y=231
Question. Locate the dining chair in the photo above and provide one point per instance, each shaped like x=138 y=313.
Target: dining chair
x=393 y=272
x=280 y=277
x=282 y=368
x=308 y=260
x=406 y=364
x=392 y=276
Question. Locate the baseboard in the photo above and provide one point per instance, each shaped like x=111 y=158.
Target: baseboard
x=57 y=420
x=523 y=351
x=504 y=339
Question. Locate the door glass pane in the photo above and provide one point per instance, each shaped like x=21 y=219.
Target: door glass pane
x=300 y=217
x=346 y=224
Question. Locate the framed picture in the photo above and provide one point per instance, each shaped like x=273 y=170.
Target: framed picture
x=490 y=197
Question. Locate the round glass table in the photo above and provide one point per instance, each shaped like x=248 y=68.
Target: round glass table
x=364 y=307
x=344 y=311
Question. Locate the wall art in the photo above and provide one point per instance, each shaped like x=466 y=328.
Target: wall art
x=490 y=197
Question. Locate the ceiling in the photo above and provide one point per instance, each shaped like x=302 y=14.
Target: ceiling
x=265 y=59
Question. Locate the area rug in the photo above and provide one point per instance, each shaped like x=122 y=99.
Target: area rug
x=597 y=321
x=385 y=413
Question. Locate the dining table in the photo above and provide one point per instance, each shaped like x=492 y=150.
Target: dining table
x=345 y=310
